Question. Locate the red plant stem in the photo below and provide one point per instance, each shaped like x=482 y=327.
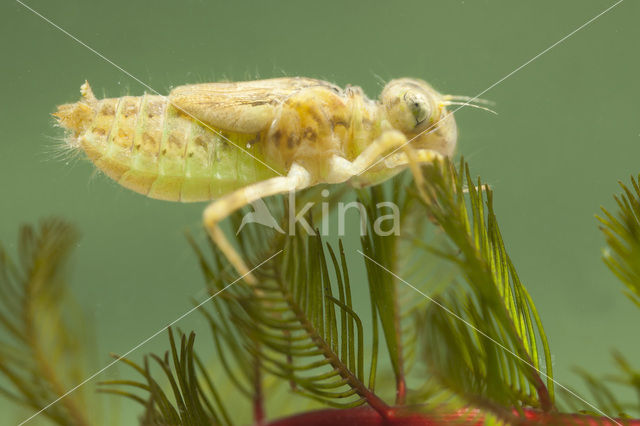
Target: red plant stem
x=401 y=390
x=258 y=397
x=365 y=416
x=258 y=409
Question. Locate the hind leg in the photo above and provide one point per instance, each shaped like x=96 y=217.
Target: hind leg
x=297 y=178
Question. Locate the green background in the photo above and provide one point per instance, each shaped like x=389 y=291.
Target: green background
x=567 y=130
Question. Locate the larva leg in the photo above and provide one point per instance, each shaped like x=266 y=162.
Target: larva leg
x=298 y=178
x=340 y=170
x=419 y=156
x=414 y=158
x=422 y=156
x=386 y=141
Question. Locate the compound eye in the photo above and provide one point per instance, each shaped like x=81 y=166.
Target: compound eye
x=419 y=107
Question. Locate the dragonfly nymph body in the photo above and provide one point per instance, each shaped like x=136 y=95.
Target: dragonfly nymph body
x=234 y=143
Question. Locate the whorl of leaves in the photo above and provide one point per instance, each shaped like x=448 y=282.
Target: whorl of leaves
x=485 y=340
x=42 y=355
x=622 y=233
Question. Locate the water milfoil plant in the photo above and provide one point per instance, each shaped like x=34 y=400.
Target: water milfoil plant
x=437 y=329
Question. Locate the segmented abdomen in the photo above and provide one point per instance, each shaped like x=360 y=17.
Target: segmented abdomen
x=147 y=145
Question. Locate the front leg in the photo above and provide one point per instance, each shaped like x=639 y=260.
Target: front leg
x=340 y=169
x=297 y=178
x=373 y=153
x=369 y=167
x=413 y=158
x=373 y=156
x=419 y=156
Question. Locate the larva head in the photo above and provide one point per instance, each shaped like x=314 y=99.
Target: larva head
x=413 y=107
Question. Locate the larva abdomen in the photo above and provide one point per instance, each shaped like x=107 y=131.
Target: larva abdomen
x=147 y=145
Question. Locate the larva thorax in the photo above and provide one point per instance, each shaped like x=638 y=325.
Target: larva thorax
x=149 y=146
x=318 y=123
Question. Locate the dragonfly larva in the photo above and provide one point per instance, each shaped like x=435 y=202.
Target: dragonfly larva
x=235 y=143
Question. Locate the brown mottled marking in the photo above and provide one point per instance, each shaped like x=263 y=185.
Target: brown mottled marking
x=106 y=121
x=175 y=146
x=150 y=144
x=175 y=140
x=310 y=134
x=155 y=108
x=293 y=140
x=124 y=125
x=255 y=140
x=337 y=122
x=201 y=142
x=108 y=109
x=315 y=116
x=129 y=110
x=123 y=138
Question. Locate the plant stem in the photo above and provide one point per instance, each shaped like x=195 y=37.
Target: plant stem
x=47 y=370
x=371 y=398
x=366 y=416
x=258 y=397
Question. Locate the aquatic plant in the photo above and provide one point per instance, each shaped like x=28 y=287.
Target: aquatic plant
x=449 y=334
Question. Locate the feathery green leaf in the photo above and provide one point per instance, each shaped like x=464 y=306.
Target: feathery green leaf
x=622 y=234
x=42 y=356
x=484 y=341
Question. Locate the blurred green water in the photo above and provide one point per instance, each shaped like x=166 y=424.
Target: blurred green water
x=567 y=129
